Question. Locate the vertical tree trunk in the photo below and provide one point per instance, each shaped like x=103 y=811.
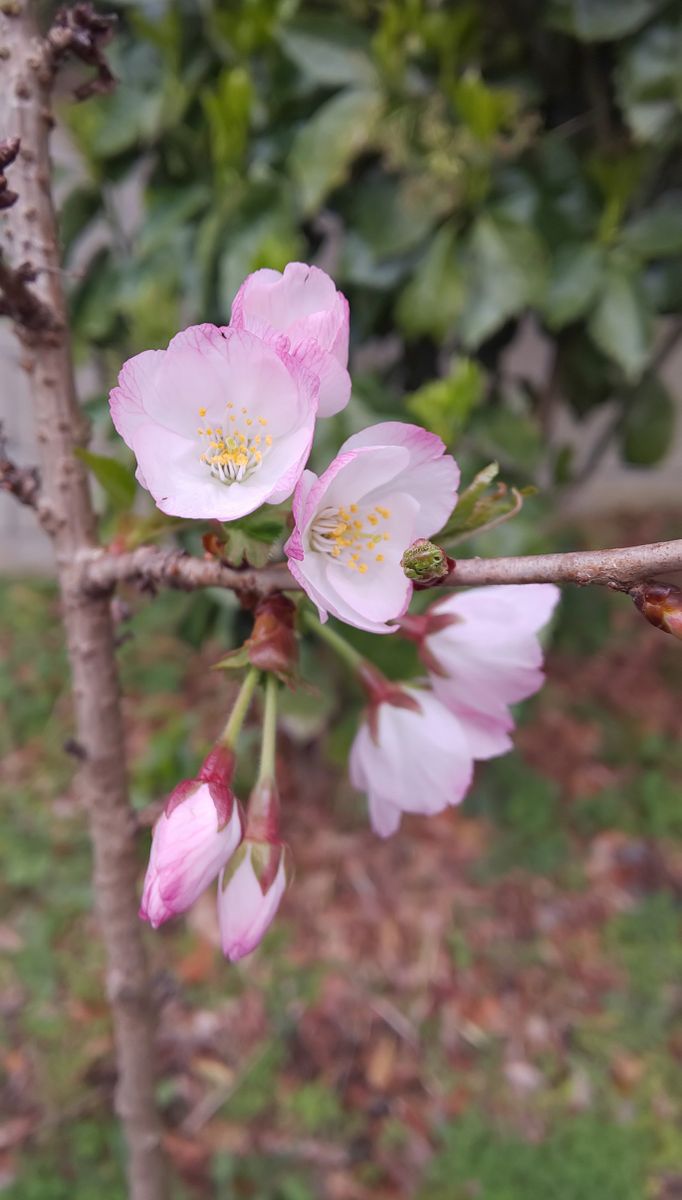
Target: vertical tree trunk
x=30 y=236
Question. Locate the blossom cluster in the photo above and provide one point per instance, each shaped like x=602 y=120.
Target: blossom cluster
x=223 y=421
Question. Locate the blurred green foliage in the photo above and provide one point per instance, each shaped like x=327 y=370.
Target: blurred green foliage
x=454 y=166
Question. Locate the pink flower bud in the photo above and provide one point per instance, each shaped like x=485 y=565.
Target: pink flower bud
x=249 y=891
x=193 y=839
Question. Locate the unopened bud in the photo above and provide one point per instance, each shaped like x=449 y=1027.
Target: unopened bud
x=425 y=563
x=661 y=604
x=272 y=645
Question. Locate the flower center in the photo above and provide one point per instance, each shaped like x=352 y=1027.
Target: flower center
x=234 y=451
x=351 y=535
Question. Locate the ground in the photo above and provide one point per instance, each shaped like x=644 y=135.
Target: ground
x=487 y=1005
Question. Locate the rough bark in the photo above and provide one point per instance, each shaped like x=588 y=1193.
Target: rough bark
x=150 y=567
x=30 y=244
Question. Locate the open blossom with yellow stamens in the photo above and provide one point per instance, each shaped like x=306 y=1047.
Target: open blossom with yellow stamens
x=388 y=485
x=220 y=422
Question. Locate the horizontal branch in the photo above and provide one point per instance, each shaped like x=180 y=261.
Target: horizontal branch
x=618 y=568
x=151 y=567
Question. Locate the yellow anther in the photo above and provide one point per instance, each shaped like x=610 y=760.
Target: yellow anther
x=248 y=420
x=268 y=440
x=262 y=421
x=380 y=558
x=372 y=519
x=353 y=508
x=202 y=412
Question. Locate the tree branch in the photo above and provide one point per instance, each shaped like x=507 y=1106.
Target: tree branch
x=19 y=302
x=30 y=235
x=150 y=567
x=24 y=484
x=618 y=568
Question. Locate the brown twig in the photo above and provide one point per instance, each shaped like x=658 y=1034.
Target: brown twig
x=30 y=230
x=9 y=148
x=19 y=302
x=81 y=31
x=24 y=484
x=151 y=567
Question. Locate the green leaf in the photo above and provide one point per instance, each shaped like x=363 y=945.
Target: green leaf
x=326 y=146
x=656 y=232
x=117 y=480
x=601 y=20
x=171 y=210
x=76 y=212
x=445 y=405
x=328 y=51
x=251 y=539
x=504 y=271
x=621 y=324
x=432 y=300
x=479 y=507
x=261 y=239
x=227 y=107
x=486 y=111
x=649 y=423
x=574 y=280
x=647 y=82
x=393 y=216
x=586 y=376
x=662 y=283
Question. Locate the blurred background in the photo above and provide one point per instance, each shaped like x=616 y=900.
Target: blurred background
x=489 y=1004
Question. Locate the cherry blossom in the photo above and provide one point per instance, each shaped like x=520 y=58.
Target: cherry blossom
x=220 y=422
x=410 y=757
x=303 y=305
x=483 y=654
x=388 y=485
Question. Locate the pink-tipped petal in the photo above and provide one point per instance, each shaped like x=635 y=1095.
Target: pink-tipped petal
x=303 y=305
x=245 y=912
x=413 y=761
x=190 y=846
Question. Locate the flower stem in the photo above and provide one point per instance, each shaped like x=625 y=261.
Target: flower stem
x=266 y=769
x=345 y=651
x=241 y=707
